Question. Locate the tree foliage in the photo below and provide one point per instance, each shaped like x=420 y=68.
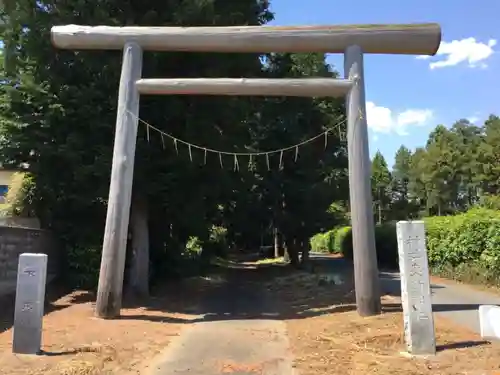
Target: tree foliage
x=457 y=169
x=58 y=111
x=381 y=182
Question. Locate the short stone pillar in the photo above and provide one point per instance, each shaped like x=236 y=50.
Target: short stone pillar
x=30 y=298
x=415 y=288
x=489 y=321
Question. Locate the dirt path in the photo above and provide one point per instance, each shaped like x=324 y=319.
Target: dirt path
x=236 y=335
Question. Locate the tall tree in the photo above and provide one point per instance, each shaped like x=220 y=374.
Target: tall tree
x=466 y=141
x=403 y=206
x=381 y=182
x=454 y=170
x=488 y=158
x=417 y=189
x=58 y=113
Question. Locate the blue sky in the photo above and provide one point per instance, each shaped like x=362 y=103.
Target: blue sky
x=406 y=96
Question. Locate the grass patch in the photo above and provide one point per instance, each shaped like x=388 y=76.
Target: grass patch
x=271 y=261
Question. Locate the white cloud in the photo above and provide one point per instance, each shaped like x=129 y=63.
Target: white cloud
x=473 y=119
x=383 y=120
x=468 y=50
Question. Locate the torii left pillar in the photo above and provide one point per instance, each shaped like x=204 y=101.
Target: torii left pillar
x=109 y=292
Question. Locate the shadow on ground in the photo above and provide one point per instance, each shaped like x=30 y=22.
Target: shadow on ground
x=391 y=285
x=241 y=289
x=54 y=292
x=461 y=345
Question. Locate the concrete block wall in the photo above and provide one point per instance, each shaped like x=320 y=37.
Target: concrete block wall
x=15 y=241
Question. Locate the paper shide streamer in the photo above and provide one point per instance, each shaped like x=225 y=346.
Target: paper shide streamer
x=250 y=155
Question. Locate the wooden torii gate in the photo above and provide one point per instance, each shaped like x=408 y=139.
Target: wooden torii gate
x=352 y=40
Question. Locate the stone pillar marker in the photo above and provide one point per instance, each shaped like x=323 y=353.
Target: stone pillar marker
x=415 y=288
x=30 y=298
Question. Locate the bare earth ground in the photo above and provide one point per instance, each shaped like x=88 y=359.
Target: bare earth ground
x=332 y=339
x=74 y=342
x=327 y=336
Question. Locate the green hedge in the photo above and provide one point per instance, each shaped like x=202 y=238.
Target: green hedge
x=324 y=242
x=331 y=241
x=470 y=238
x=465 y=246
x=385 y=243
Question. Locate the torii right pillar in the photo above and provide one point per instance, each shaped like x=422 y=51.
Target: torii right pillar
x=363 y=232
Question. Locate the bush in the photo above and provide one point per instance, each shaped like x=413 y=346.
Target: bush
x=473 y=273
x=217 y=242
x=465 y=247
x=84 y=264
x=469 y=238
x=320 y=243
x=491 y=202
x=325 y=242
x=19 y=197
x=343 y=242
x=385 y=243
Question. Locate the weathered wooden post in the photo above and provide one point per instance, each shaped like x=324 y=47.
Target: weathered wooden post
x=30 y=299
x=363 y=234
x=415 y=288
x=109 y=292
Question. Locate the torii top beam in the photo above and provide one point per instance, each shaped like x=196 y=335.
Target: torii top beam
x=407 y=39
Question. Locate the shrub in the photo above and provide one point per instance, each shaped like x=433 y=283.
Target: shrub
x=84 y=263
x=218 y=241
x=320 y=243
x=323 y=242
x=385 y=243
x=469 y=238
x=19 y=197
x=465 y=246
x=343 y=240
x=473 y=273
x=193 y=248
x=333 y=249
x=490 y=201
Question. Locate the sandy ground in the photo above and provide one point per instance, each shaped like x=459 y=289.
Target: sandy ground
x=75 y=342
x=325 y=333
x=328 y=336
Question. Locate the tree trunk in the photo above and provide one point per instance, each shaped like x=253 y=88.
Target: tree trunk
x=286 y=255
x=306 y=248
x=292 y=252
x=139 y=268
x=276 y=243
